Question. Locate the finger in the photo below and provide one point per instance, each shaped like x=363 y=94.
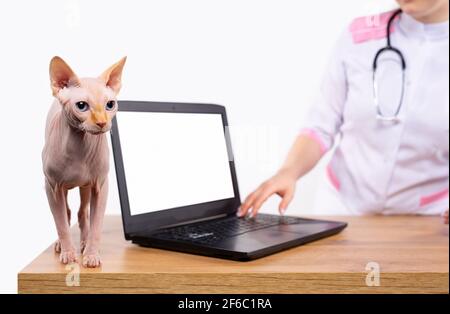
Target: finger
x=243 y=210
x=287 y=198
x=260 y=200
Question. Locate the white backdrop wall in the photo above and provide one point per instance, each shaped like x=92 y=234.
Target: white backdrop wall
x=263 y=59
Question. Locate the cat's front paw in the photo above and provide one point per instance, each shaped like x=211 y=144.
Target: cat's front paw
x=92 y=260
x=68 y=257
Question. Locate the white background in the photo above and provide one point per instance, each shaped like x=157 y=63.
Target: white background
x=262 y=59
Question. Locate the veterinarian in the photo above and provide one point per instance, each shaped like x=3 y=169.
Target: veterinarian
x=383 y=111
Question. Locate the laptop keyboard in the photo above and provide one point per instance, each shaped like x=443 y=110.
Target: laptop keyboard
x=213 y=231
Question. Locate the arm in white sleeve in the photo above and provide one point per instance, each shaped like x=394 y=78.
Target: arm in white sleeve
x=326 y=114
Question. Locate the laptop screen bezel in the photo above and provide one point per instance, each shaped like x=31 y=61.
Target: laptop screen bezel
x=141 y=223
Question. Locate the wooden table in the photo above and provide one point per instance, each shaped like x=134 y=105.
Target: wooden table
x=412 y=253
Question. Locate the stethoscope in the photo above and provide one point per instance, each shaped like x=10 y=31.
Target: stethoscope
x=389 y=48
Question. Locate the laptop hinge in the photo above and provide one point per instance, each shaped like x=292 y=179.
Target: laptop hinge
x=194 y=221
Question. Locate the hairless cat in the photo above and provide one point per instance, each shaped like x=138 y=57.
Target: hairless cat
x=76 y=154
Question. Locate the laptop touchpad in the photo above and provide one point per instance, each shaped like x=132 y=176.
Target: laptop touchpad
x=307 y=228
x=258 y=240
x=261 y=239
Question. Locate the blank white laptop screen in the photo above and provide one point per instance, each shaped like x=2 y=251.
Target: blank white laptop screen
x=173 y=159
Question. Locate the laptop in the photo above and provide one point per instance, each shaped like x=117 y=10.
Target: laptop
x=179 y=191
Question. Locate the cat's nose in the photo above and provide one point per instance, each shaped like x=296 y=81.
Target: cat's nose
x=101 y=124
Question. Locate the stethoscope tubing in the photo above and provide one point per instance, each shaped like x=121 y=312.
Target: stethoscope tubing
x=389 y=48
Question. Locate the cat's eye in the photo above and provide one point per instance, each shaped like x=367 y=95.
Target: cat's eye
x=110 y=105
x=82 y=106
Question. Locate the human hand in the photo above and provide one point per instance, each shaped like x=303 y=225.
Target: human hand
x=283 y=184
x=446 y=217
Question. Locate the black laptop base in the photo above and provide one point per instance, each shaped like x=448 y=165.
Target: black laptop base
x=249 y=245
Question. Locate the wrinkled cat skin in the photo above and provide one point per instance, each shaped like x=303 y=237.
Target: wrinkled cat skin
x=76 y=154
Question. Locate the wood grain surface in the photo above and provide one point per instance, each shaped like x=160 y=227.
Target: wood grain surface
x=412 y=253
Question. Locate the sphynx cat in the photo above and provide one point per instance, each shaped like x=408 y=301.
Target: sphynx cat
x=76 y=154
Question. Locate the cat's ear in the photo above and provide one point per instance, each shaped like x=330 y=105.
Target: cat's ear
x=61 y=75
x=113 y=75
